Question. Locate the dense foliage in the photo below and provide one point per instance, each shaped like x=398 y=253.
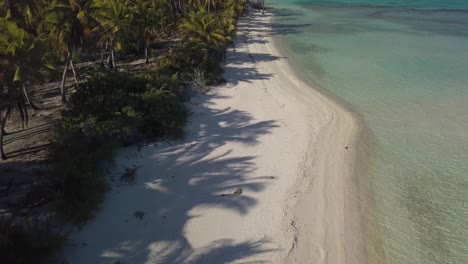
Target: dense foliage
x=108 y=110
x=126 y=108
x=28 y=242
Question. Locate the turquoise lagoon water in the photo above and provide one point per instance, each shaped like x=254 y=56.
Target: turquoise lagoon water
x=402 y=66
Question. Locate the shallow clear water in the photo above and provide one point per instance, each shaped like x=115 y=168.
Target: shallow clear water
x=403 y=67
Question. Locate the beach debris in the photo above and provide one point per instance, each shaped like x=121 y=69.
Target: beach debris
x=236 y=192
x=129 y=175
x=139 y=215
x=346 y=147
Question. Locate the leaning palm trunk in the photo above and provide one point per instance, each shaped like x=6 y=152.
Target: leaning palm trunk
x=69 y=63
x=102 y=55
x=73 y=70
x=3 y=118
x=146 y=53
x=109 y=60
x=23 y=110
x=111 y=55
x=64 y=76
x=112 y=59
x=28 y=100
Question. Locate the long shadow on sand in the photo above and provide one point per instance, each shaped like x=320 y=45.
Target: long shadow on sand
x=173 y=182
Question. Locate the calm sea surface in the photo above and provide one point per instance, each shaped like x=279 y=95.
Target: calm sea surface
x=402 y=66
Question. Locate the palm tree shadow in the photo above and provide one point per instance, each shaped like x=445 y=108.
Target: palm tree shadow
x=178 y=183
x=181 y=186
x=226 y=250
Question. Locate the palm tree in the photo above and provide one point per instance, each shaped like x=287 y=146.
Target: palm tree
x=205 y=28
x=209 y=4
x=69 y=24
x=23 y=12
x=20 y=56
x=144 y=20
x=114 y=19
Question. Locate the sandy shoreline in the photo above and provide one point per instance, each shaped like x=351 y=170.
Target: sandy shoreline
x=264 y=132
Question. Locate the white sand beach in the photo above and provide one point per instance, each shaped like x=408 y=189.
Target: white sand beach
x=265 y=175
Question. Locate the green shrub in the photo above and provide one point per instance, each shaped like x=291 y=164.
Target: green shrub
x=108 y=110
x=77 y=180
x=126 y=108
x=190 y=56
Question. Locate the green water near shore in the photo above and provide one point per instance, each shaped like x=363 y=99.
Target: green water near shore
x=403 y=68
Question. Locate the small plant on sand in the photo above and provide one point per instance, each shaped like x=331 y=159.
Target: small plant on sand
x=196 y=80
x=129 y=175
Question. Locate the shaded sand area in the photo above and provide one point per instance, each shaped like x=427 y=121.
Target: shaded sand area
x=264 y=176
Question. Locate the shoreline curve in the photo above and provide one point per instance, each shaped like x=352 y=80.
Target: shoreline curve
x=315 y=239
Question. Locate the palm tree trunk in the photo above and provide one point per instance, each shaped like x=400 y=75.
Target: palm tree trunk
x=112 y=59
x=102 y=55
x=64 y=76
x=146 y=53
x=112 y=62
x=73 y=70
x=26 y=95
x=173 y=8
x=3 y=118
x=22 y=113
x=8 y=112
x=109 y=60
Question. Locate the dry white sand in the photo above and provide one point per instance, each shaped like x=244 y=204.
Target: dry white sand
x=266 y=132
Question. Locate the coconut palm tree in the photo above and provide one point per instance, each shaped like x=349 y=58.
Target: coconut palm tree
x=23 y=12
x=114 y=18
x=69 y=24
x=144 y=20
x=20 y=56
x=210 y=3
x=205 y=28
